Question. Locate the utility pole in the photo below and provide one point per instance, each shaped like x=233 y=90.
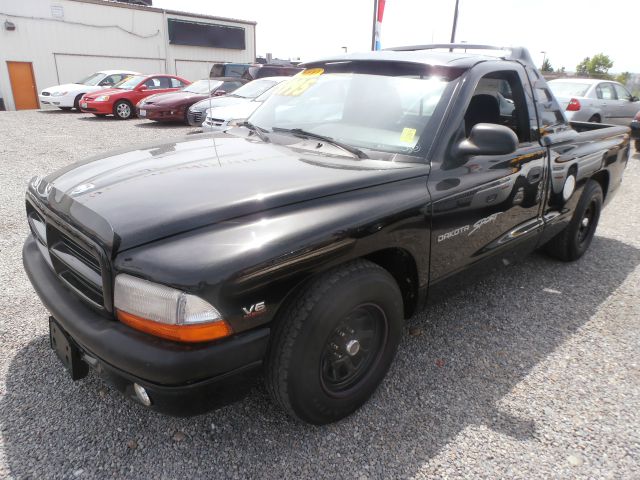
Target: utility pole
x=544 y=58
x=455 y=23
x=375 y=20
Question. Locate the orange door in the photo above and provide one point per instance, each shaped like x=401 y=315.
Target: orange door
x=23 y=85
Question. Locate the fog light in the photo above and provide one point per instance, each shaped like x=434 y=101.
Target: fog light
x=142 y=395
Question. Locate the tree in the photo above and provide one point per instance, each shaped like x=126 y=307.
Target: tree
x=599 y=65
x=546 y=66
x=623 y=78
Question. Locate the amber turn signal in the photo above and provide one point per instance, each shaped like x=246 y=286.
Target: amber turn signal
x=204 y=332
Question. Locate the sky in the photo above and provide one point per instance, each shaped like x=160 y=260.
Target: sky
x=567 y=30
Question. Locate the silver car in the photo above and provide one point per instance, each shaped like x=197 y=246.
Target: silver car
x=592 y=100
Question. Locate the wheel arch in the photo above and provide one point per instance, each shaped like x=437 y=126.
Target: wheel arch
x=602 y=177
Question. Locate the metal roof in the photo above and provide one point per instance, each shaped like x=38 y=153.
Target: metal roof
x=111 y=3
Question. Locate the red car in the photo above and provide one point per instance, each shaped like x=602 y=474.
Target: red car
x=173 y=106
x=122 y=98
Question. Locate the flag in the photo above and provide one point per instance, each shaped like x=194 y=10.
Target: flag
x=378 y=28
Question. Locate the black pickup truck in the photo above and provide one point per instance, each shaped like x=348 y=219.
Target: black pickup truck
x=294 y=245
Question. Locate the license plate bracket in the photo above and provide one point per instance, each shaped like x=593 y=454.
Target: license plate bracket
x=143 y=113
x=68 y=353
x=83 y=105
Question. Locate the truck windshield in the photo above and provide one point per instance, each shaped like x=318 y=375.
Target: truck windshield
x=387 y=108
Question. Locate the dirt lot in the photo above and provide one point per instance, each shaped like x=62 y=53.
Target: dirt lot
x=533 y=373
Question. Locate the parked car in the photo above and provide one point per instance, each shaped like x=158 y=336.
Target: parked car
x=220 y=118
x=235 y=70
x=296 y=245
x=173 y=106
x=246 y=93
x=120 y=101
x=635 y=131
x=68 y=95
x=591 y=100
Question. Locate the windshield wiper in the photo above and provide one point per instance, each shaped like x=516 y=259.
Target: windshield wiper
x=256 y=129
x=299 y=132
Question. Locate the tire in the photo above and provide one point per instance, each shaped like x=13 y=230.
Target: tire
x=66 y=109
x=76 y=102
x=595 y=119
x=572 y=242
x=122 y=110
x=334 y=342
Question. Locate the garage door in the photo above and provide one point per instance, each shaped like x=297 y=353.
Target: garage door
x=72 y=68
x=193 y=70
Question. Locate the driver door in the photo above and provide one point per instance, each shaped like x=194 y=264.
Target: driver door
x=485 y=206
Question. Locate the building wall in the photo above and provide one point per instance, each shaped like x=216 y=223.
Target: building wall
x=95 y=36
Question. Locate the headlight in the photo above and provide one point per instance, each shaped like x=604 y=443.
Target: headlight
x=58 y=94
x=102 y=98
x=166 y=312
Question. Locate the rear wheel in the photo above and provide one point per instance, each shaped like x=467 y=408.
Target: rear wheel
x=572 y=242
x=334 y=343
x=122 y=110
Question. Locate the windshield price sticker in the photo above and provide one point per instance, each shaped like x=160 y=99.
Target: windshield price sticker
x=300 y=83
x=407 y=135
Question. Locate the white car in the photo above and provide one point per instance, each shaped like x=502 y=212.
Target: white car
x=220 y=118
x=68 y=95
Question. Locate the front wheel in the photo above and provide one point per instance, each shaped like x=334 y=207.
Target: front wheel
x=572 y=242
x=122 y=110
x=334 y=343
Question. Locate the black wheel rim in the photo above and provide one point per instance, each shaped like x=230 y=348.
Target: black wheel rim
x=587 y=223
x=353 y=348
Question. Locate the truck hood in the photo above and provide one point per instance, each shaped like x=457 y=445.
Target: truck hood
x=138 y=196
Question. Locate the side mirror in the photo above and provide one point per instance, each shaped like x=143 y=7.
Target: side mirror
x=634 y=98
x=219 y=93
x=488 y=139
x=142 y=88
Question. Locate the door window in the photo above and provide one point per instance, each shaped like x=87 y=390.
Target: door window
x=499 y=98
x=605 y=91
x=623 y=93
x=175 y=83
x=549 y=115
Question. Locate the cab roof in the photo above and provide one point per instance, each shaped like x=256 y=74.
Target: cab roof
x=449 y=55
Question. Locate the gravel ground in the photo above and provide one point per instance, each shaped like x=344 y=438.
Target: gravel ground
x=533 y=373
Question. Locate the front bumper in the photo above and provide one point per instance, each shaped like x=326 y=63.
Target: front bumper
x=104 y=108
x=181 y=379
x=161 y=114
x=195 y=117
x=57 y=101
